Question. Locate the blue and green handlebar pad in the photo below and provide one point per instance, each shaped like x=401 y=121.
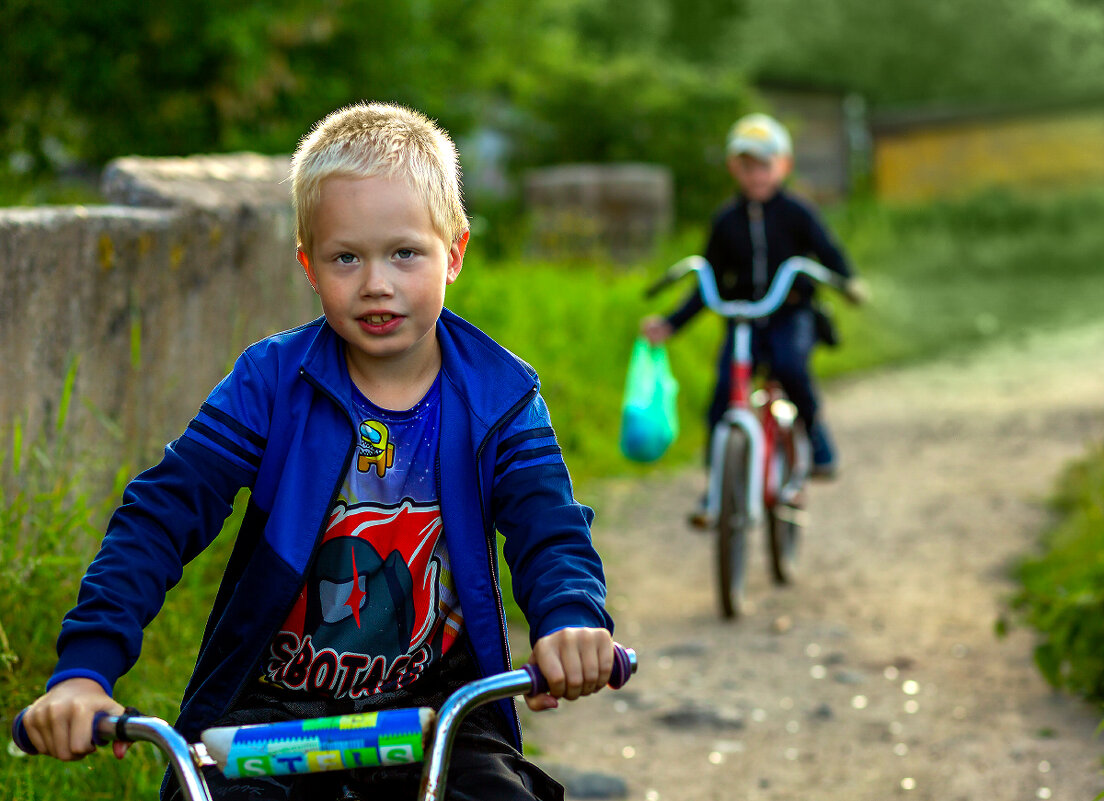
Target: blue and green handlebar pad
x=387 y=737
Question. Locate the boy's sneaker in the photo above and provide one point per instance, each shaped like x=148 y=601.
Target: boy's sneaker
x=700 y=518
x=824 y=455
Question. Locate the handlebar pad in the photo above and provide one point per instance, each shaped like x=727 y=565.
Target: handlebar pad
x=343 y=742
x=624 y=665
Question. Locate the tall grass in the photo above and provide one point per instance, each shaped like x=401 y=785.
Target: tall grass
x=49 y=521
x=53 y=507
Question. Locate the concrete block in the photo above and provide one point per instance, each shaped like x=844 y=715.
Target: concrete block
x=154 y=302
x=617 y=211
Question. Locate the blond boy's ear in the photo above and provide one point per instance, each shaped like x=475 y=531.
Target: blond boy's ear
x=456 y=256
x=305 y=261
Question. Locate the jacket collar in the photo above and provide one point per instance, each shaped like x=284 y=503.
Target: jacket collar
x=486 y=376
x=324 y=363
x=490 y=379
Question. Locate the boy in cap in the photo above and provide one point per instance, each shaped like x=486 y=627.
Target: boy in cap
x=751 y=236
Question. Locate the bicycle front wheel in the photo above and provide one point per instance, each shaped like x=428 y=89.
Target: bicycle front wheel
x=732 y=524
x=784 y=530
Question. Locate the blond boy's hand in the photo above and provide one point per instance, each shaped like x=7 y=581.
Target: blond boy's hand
x=575 y=662
x=60 y=722
x=857 y=291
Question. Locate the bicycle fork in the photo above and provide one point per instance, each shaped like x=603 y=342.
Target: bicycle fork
x=748 y=424
x=739 y=415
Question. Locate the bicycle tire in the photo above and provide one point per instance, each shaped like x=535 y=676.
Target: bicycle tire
x=784 y=535
x=732 y=525
x=783 y=521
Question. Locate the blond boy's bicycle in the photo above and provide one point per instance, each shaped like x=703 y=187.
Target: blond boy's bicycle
x=388 y=737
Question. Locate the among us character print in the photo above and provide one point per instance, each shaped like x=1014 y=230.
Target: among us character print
x=375 y=448
x=377 y=607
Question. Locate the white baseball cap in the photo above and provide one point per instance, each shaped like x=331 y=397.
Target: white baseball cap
x=760 y=136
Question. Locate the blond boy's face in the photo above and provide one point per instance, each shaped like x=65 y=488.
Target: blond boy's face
x=380 y=269
x=759 y=179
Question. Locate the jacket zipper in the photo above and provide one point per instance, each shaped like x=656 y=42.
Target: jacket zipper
x=758 y=249
x=256 y=667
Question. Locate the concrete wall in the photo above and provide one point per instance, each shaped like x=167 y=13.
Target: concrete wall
x=155 y=295
x=584 y=211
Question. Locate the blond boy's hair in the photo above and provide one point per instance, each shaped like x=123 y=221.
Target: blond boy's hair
x=369 y=140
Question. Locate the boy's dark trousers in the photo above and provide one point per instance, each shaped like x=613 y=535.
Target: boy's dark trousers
x=785 y=341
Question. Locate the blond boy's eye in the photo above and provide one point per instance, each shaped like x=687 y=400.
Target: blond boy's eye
x=346 y=258
x=404 y=253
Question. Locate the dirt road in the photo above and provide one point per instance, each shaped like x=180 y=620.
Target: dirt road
x=878 y=675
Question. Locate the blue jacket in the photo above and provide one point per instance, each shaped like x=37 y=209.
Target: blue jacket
x=282 y=425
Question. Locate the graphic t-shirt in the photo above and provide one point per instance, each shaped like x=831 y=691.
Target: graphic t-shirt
x=379 y=604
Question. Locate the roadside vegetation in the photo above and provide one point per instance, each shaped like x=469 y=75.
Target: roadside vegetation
x=1062 y=587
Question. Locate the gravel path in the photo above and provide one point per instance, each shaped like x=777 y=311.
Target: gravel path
x=878 y=675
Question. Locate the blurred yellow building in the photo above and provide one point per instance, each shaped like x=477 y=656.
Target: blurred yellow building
x=922 y=157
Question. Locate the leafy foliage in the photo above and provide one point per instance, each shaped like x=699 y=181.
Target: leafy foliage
x=559 y=80
x=945 y=51
x=1062 y=593
x=84 y=84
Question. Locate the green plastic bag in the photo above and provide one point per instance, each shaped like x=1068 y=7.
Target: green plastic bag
x=649 y=414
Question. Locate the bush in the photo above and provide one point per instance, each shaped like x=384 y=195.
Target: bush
x=1062 y=593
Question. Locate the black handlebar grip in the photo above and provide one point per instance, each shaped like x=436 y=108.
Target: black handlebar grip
x=19 y=735
x=23 y=741
x=624 y=665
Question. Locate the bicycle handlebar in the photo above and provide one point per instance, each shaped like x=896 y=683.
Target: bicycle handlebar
x=326 y=740
x=747 y=309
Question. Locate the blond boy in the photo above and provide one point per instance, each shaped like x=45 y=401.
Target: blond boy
x=383 y=445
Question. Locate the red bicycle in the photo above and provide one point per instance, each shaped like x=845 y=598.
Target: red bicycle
x=759 y=451
x=388 y=737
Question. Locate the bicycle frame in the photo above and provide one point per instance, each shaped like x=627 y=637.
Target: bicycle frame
x=759 y=428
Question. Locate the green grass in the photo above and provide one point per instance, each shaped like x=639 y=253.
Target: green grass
x=945 y=278
x=950 y=276
x=576 y=325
